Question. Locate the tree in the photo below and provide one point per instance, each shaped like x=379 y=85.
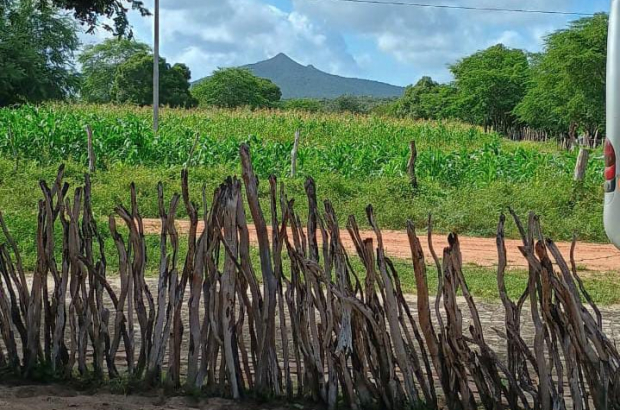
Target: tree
x=236 y=87
x=490 y=84
x=269 y=90
x=428 y=100
x=302 y=104
x=37 y=46
x=348 y=103
x=133 y=82
x=99 y=64
x=89 y=13
x=175 y=84
x=411 y=104
x=443 y=102
x=567 y=87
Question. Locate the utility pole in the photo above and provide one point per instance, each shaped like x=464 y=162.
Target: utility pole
x=156 y=70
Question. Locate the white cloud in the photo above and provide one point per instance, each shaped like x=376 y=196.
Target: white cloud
x=207 y=35
x=394 y=43
x=428 y=39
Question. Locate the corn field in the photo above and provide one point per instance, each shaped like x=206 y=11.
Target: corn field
x=351 y=146
x=320 y=332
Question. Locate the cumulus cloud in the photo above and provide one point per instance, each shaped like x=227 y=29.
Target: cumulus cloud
x=429 y=39
x=210 y=34
x=389 y=43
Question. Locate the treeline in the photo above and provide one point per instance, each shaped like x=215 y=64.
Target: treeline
x=39 y=47
x=558 y=92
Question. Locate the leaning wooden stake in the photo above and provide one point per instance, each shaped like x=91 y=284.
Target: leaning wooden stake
x=267 y=372
x=228 y=284
x=294 y=154
x=91 y=150
x=582 y=164
x=400 y=348
x=413 y=157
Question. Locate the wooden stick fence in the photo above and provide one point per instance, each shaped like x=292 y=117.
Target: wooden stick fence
x=315 y=330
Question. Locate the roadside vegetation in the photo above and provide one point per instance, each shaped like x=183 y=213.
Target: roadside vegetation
x=466 y=177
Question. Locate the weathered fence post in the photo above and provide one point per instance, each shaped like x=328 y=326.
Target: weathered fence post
x=413 y=157
x=266 y=374
x=572 y=139
x=91 y=151
x=582 y=164
x=192 y=150
x=294 y=154
x=582 y=160
x=14 y=146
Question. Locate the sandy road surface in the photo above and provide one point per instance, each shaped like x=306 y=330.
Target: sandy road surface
x=477 y=251
x=61 y=397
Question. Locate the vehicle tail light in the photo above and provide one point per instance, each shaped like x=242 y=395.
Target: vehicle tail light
x=610 y=167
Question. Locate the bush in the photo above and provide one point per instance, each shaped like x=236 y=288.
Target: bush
x=133 y=82
x=302 y=104
x=236 y=87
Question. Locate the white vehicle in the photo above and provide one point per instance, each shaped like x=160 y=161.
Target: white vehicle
x=611 y=213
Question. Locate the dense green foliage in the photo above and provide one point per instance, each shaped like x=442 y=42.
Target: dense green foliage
x=90 y=13
x=467 y=177
x=568 y=79
x=37 y=46
x=133 y=82
x=236 y=87
x=505 y=89
x=99 y=65
x=490 y=84
x=343 y=104
x=36 y=53
x=347 y=103
x=487 y=87
x=302 y=104
x=427 y=99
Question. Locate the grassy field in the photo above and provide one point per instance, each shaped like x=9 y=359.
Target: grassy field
x=466 y=177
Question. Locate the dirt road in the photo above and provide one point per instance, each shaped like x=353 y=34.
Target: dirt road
x=60 y=397
x=476 y=251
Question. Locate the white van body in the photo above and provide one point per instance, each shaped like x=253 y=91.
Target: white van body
x=611 y=213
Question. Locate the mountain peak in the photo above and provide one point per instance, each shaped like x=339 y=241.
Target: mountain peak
x=300 y=81
x=282 y=58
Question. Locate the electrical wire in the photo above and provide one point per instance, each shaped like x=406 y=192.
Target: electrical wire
x=468 y=8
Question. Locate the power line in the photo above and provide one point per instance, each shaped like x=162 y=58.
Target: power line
x=469 y=8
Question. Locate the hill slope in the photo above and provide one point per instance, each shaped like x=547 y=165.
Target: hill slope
x=299 y=81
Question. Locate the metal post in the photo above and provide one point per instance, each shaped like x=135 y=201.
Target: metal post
x=156 y=70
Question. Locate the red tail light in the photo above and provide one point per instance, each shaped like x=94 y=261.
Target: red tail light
x=610 y=167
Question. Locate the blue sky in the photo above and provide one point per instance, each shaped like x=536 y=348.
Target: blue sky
x=394 y=44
